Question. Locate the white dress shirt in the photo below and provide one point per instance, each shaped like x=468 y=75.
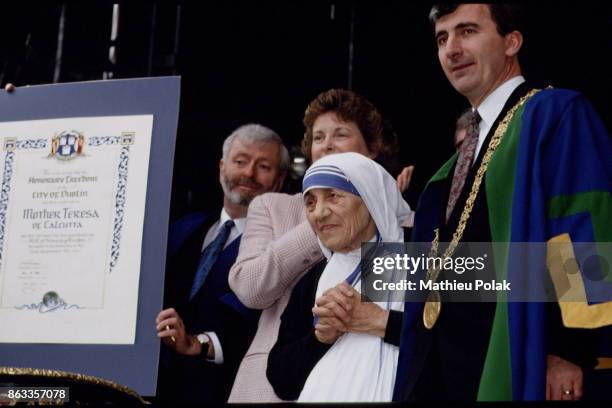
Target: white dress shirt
x=492 y=106
x=236 y=231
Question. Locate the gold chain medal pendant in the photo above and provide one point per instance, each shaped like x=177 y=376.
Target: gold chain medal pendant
x=432 y=309
x=433 y=303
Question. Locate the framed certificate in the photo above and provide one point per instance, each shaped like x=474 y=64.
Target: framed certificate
x=84 y=206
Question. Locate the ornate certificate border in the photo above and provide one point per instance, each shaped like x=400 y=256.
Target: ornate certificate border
x=12 y=144
x=126 y=139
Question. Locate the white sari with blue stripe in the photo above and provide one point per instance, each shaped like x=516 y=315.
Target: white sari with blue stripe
x=358 y=367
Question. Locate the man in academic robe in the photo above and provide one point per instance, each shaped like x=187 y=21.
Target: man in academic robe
x=535 y=167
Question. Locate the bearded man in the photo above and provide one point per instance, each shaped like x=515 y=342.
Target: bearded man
x=205 y=329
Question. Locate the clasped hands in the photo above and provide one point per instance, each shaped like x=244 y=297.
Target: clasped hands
x=340 y=310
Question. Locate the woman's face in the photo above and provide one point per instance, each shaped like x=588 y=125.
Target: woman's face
x=331 y=135
x=340 y=219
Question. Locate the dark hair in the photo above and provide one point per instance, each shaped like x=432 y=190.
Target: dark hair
x=507 y=17
x=351 y=107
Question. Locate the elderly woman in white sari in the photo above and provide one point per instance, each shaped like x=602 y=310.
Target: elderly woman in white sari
x=332 y=346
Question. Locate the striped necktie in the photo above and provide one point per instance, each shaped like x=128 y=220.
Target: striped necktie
x=209 y=257
x=464 y=162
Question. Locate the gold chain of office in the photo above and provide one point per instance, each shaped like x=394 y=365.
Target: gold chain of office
x=433 y=303
x=469 y=204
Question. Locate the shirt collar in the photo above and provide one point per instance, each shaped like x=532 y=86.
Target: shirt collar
x=493 y=104
x=238 y=222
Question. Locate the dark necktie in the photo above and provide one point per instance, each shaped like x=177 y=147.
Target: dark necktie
x=464 y=162
x=209 y=257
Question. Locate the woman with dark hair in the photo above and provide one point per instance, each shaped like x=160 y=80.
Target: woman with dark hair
x=343 y=106
x=278 y=245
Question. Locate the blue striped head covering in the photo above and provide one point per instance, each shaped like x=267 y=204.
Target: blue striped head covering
x=327 y=176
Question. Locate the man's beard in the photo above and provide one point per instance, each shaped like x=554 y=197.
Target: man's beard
x=236 y=197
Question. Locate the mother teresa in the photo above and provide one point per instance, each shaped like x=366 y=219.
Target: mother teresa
x=332 y=346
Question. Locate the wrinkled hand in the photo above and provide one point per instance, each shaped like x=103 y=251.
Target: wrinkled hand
x=561 y=375
x=403 y=179
x=344 y=311
x=169 y=324
x=326 y=332
x=333 y=312
x=335 y=304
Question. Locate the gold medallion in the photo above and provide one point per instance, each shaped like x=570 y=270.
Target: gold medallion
x=433 y=305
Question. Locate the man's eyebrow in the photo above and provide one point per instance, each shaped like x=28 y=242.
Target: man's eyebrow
x=466 y=25
x=242 y=154
x=440 y=34
x=459 y=26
